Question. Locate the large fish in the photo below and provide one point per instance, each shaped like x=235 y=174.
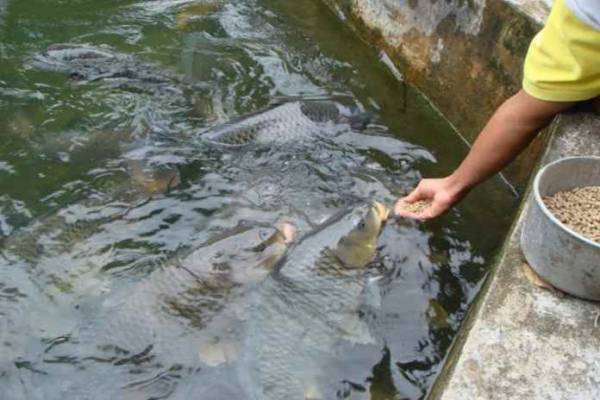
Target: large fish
x=288 y=122
x=89 y=63
x=177 y=321
x=308 y=305
x=182 y=297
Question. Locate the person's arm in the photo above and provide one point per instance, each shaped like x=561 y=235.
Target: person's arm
x=512 y=127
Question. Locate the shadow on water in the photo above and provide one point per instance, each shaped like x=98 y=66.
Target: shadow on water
x=132 y=240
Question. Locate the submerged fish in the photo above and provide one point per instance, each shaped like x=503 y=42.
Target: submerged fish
x=189 y=12
x=153 y=180
x=287 y=123
x=182 y=297
x=312 y=301
x=436 y=315
x=88 y=63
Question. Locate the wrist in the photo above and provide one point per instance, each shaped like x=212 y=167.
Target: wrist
x=457 y=186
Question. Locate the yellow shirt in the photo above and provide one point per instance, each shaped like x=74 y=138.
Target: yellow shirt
x=563 y=60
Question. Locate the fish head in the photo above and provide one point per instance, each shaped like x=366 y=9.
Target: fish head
x=357 y=248
x=273 y=249
x=151 y=180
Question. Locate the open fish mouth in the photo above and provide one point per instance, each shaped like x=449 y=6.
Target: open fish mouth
x=381 y=210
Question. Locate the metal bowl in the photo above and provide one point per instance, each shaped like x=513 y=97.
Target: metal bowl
x=561 y=256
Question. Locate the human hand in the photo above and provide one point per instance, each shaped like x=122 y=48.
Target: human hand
x=438 y=196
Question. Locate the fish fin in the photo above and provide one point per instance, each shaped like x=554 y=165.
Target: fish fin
x=372 y=293
x=222 y=342
x=312 y=392
x=271 y=258
x=360 y=121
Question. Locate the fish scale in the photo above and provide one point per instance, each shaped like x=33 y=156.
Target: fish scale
x=298 y=316
x=90 y=63
x=181 y=294
x=290 y=334
x=286 y=123
x=168 y=320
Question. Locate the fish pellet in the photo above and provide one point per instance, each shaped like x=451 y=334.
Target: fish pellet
x=417 y=207
x=579 y=209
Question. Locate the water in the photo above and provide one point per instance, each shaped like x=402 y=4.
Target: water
x=105 y=181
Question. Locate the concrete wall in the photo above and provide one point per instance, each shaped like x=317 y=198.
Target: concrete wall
x=520 y=341
x=465 y=55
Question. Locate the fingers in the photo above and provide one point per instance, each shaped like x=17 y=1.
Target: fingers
x=433 y=211
x=415 y=195
x=422 y=193
x=430 y=199
x=408 y=214
x=400 y=208
x=401 y=211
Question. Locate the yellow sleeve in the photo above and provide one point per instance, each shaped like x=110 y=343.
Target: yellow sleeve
x=563 y=60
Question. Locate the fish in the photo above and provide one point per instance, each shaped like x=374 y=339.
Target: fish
x=153 y=180
x=182 y=296
x=189 y=12
x=83 y=62
x=157 y=91
x=307 y=305
x=288 y=122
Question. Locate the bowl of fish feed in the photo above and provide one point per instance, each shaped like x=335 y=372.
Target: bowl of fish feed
x=561 y=233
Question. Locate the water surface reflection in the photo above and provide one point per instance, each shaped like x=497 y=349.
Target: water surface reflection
x=124 y=231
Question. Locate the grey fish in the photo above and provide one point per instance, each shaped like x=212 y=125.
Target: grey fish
x=88 y=63
x=182 y=297
x=309 y=304
x=288 y=122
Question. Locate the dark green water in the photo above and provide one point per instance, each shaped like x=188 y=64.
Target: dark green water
x=104 y=181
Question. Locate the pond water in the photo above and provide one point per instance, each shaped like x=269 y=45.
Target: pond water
x=106 y=182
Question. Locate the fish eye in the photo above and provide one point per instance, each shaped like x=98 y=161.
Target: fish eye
x=362 y=224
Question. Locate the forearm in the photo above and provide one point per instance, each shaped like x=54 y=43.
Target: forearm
x=507 y=133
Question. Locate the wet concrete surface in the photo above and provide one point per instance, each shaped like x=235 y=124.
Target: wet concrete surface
x=522 y=341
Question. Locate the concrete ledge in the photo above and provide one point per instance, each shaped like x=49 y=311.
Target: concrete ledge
x=520 y=341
